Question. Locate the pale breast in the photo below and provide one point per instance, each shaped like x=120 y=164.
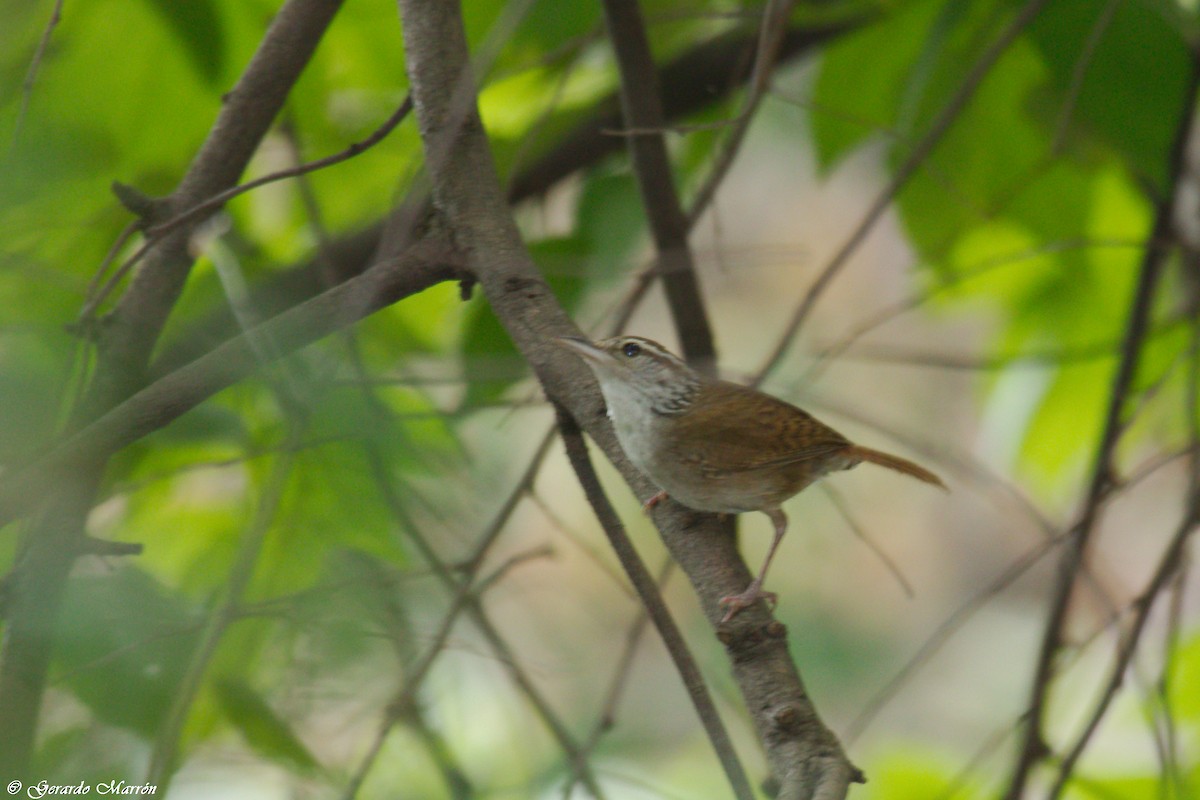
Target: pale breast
x=750 y=456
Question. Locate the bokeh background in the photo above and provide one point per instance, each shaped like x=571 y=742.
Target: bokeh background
x=976 y=328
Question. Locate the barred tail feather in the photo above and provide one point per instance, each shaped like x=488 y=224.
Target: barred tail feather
x=894 y=462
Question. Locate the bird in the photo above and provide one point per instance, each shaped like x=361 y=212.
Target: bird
x=717 y=446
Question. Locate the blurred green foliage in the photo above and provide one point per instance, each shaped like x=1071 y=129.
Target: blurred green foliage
x=1035 y=204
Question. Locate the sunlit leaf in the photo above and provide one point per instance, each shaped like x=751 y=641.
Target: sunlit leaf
x=863 y=79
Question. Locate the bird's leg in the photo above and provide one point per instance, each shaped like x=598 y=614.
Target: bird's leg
x=649 y=505
x=754 y=592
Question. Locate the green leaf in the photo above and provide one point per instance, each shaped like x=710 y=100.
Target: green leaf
x=863 y=80
x=124 y=642
x=263 y=729
x=198 y=26
x=1134 y=77
x=611 y=225
x=1185 y=683
x=1119 y=788
x=912 y=773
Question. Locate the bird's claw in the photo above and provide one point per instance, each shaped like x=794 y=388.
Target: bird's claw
x=649 y=505
x=734 y=603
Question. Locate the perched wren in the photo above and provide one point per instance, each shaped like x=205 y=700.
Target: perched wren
x=716 y=446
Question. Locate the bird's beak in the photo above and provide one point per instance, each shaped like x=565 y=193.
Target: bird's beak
x=582 y=347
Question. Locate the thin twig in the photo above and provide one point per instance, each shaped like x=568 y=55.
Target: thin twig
x=1165 y=685
x=917 y=299
x=1168 y=567
x=838 y=502
x=1079 y=73
x=1170 y=564
x=35 y=64
x=606 y=567
x=465 y=599
x=572 y=52
x=989 y=748
x=113 y=251
x=942 y=634
x=771 y=31
x=621 y=674
x=921 y=151
x=466 y=595
x=647 y=589
x=441 y=754
x=1049 y=357
x=1033 y=748
x=95 y=298
x=221 y=198
x=164 y=754
x=900 y=140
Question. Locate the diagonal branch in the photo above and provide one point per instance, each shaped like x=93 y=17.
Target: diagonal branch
x=805 y=758
x=647 y=590
x=694 y=80
x=98 y=294
x=1169 y=566
x=31 y=74
x=771 y=36
x=246 y=115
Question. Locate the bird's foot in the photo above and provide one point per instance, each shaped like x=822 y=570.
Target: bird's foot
x=734 y=603
x=649 y=505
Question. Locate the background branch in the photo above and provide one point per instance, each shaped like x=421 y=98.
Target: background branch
x=644 y=120
x=698 y=78
x=921 y=151
x=1033 y=748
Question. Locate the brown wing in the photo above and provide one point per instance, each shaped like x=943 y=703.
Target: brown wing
x=733 y=428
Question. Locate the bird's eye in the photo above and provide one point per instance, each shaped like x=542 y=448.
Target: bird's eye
x=631 y=350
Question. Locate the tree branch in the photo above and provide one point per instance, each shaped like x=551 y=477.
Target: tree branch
x=694 y=80
x=31 y=74
x=772 y=33
x=245 y=117
x=644 y=120
x=804 y=756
